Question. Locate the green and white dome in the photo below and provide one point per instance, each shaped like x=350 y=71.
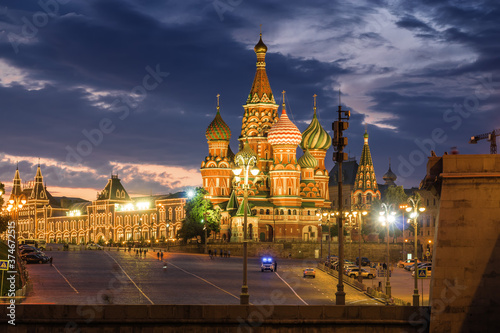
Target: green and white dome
x=307 y=161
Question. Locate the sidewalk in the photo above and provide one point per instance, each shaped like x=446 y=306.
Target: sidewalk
x=402 y=285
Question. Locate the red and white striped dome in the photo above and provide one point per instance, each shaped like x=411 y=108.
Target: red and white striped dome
x=284 y=132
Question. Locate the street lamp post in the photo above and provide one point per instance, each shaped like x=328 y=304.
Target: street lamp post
x=414 y=212
x=358 y=214
x=245 y=161
x=386 y=217
x=403 y=208
x=325 y=216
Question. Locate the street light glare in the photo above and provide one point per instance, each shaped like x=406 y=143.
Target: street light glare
x=422 y=209
x=237 y=171
x=408 y=209
x=255 y=171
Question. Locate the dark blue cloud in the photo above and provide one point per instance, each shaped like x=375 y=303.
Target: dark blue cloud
x=93 y=54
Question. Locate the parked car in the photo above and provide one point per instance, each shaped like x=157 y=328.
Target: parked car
x=405 y=263
x=26 y=250
x=421 y=265
x=364 y=261
x=348 y=267
x=310 y=272
x=354 y=272
x=35 y=258
x=94 y=246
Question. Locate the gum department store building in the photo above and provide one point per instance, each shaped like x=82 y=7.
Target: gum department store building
x=113 y=216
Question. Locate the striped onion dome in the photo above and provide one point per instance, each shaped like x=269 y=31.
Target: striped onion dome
x=315 y=137
x=307 y=161
x=218 y=129
x=284 y=132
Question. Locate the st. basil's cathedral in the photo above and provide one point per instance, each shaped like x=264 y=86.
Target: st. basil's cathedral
x=286 y=193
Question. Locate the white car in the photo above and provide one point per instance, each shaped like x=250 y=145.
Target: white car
x=354 y=272
x=94 y=246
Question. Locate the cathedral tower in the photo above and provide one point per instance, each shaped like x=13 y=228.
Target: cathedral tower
x=284 y=138
x=317 y=141
x=261 y=113
x=216 y=168
x=365 y=185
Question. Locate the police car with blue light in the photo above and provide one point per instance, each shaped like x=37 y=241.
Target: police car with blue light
x=267 y=264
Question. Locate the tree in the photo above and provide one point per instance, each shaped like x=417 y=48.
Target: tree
x=393 y=197
x=199 y=213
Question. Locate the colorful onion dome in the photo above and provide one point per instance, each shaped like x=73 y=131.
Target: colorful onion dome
x=260 y=47
x=218 y=129
x=307 y=161
x=315 y=137
x=284 y=132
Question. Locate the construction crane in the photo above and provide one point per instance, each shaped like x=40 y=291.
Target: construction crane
x=491 y=137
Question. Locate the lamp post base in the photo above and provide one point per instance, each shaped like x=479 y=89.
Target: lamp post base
x=416 y=298
x=244 y=296
x=340 y=298
x=388 y=289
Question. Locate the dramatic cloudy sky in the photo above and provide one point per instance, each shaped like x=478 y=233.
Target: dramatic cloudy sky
x=419 y=75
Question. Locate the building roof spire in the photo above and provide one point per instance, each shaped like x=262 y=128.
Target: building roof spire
x=314 y=107
x=365 y=176
x=283 y=104
x=261 y=90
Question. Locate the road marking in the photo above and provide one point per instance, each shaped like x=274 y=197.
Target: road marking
x=291 y=289
x=210 y=283
x=130 y=279
x=76 y=291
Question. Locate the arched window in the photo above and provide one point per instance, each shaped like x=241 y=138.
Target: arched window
x=267 y=211
x=289 y=212
x=294 y=212
x=262 y=211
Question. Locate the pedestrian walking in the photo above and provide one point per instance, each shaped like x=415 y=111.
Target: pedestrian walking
x=221 y=253
x=229 y=253
x=275 y=266
x=50 y=260
x=161 y=255
x=215 y=252
x=158 y=255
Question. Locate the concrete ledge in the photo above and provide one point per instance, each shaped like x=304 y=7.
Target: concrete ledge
x=210 y=318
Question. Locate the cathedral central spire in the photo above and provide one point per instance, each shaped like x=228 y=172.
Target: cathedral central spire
x=261 y=90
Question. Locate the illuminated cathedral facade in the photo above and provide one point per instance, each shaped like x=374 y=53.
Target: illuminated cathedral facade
x=287 y=192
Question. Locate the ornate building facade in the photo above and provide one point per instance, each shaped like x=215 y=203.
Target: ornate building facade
x=112 y=217
x=286 y=193
x=365 y=188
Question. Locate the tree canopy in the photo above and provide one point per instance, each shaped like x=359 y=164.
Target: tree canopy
x=200 y=213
